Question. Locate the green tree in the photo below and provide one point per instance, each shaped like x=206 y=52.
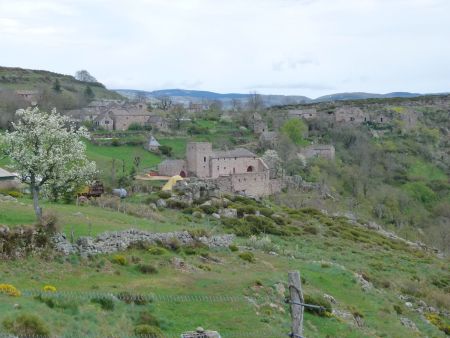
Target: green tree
x=89 y=93
x=295 y=130
x=57 y=86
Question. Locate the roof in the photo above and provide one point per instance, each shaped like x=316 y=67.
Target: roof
x=153 y=142
x=238 y=152
x=269 y=135
x=165 y=162
x=6 y=174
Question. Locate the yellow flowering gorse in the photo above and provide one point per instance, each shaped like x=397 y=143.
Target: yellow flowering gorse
x=9 y=290
x=49 y=288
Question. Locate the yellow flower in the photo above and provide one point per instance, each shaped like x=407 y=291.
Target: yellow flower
x=9 y=290
x=49 y=288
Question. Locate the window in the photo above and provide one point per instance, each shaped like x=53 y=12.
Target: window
x=106 y=122
x=204 y=159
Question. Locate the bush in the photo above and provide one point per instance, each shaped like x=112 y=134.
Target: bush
x=165 y=150
x=26 y=325
x=173 y=244
x=208 y=209
x=248 y=209
x=147 y=318
x=9 y=290
x=119 y=259
x=398 y=309
x=177 y=204
x=58 y=303
x=129 y=298
x=233 y=248
x=247 y=256
x=157 y=251
x=148 y=331
x=319 y=301
x=13 y=193
x=115 y=142
x=151 y=199
x=164 y=194
x=49 y=222
x=197 y=130
x=266 y=212
x=147 y=269
x=105 y=303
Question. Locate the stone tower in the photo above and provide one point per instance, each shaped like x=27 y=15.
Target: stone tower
x=198 y=154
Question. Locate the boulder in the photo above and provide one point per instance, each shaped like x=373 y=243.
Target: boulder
x=228 y=213
x=161 y=203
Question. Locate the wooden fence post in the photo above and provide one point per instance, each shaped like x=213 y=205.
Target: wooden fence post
x=296 y=298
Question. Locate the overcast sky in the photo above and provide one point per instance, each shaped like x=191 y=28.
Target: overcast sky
x=301 y=47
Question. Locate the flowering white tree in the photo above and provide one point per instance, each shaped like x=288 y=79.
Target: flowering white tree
x=47 y=151
x=274 y=163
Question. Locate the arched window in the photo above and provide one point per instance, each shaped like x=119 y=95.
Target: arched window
x=182 y=173
x=250 y=169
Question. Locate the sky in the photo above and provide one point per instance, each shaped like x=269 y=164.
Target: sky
x=290 y=47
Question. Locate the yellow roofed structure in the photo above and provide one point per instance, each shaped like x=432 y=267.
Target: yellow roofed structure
x=172 y=181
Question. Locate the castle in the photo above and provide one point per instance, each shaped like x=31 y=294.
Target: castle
x=234 y=171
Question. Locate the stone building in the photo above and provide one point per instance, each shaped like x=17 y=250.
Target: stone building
x=268 y=140
x=105 y=121
x=158 y=123
x=235 y=171
x=30 y=96
x=257 y=124
x=318 y=150
x=152 y=144
x=8 y=180
x=307 y=113
x=350 y=115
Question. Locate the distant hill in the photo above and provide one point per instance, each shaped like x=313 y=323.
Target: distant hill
x=13 y=78
x=186 y=96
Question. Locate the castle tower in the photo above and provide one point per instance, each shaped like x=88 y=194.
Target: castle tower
x=198 y=154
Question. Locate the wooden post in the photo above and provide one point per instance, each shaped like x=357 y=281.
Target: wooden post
x=296 y=298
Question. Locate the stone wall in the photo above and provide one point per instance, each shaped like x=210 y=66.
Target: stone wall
x=234 y=165
x=110 y=242
x=319 y=150
x=254 y=184
x=198 y=154
x=124 y=121
x=172 y=167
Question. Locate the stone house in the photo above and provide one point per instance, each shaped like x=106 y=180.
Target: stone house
x=350 y=115
x=152 y=144
x=30 y=96
x=257 y=124
x=307 y=113
x=326 y=151
x=8 y=180
x=268 y=140
x=105 y=121
x=158 y=123
x=235 y=171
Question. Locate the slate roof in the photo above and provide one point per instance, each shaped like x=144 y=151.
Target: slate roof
x=153 y=142
x=4 y=174
x=238 y=152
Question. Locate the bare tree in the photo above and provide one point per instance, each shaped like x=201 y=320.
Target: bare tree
x=165 y=102
x=141 y=96
x=177 y=113
x=255 y=102
x=236 y=105
x=83 y=75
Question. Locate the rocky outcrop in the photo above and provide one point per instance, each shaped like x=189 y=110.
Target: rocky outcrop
x=117 y=241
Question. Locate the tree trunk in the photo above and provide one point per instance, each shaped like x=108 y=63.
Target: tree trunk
x=37 y=208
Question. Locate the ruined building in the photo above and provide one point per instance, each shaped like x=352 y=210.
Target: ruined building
x=234 y=171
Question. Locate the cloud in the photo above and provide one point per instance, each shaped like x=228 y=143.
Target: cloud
x=295 y=85
x=292 y=64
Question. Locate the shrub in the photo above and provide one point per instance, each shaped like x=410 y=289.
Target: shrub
x=13 y=193
x=105 y=303
x=233 y=248
x=177 y=204
x=173 y=244
x=49 y=288
x=398 y=309
x=264 y=243
x=115 y=142
x=151 y=199
x=119 y=259
x=157 y=251
x=58 y=303
x=208 y=209
x=129 y=298
x=26 y=325
x=319 y=301
x=165 y=150
x=309 y=229
x=247 y=256
x=147 y=318
x=148 y=331
x=437 y=321
x=9 y=290
x=164 y=194
x=49 y=223
x=248 y=210
x=147 y=268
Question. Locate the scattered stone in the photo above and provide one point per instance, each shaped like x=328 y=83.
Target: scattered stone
x=216 y=216
x=198 y=214
x=17 y=306
x=109 y=242
x=161 y=203
x=408 y=323
x=330 y=298
x=408 y=304
x=228 y=213
x=365 y=285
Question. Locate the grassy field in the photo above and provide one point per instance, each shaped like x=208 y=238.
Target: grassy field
x=327 y=257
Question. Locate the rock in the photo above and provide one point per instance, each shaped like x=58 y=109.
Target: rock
x=228 y=213
x=198 y=214
x=216 y=216
x=408 y=323
x=207 y=203
x=17 y=306
x=408 y=304
x=199 y=330
x=161 y=203
x=365 y=285
x=153 y=206
x=330 y=298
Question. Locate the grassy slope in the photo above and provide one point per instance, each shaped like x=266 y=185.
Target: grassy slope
x=18 y=78
x=327 y=261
